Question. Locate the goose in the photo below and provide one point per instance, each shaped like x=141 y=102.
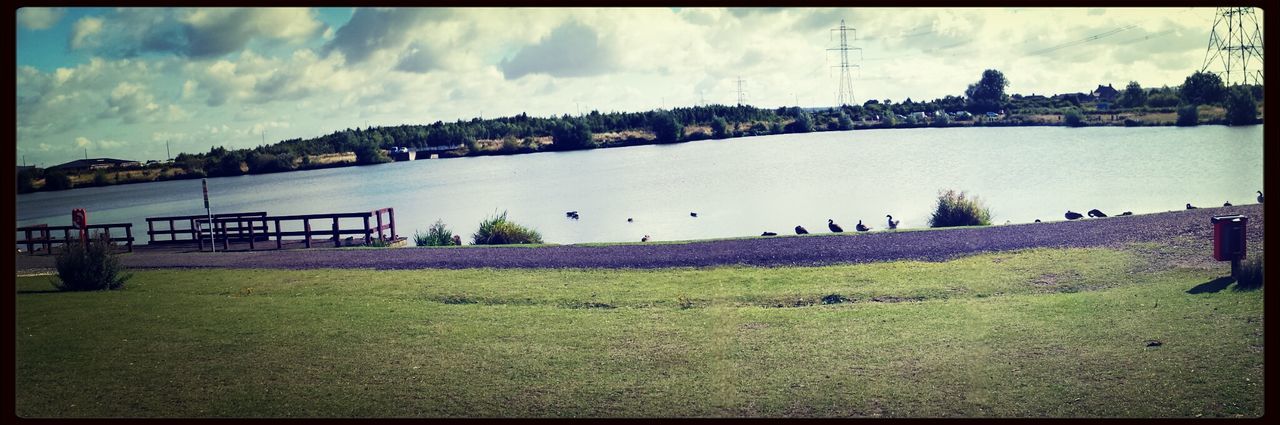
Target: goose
x=1095 y=213
x=1259 y=196
x=861 y=227
x=893 y=224
x=693 y=214
x=1127 y=213
x=574 y=216
x=1191 y=207
x=1072 y=215
x=645 y=238
x=1226 y=204
x=800 y=230
x=835 y=228
x=1037 y=220
x=570 y=213
x=629 y=219
x=768 y=234
x=457 y=240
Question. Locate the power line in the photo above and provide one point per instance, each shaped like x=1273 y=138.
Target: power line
x=845 y=94
x=1083 y=40
x=742 y=95
x=1242 y=43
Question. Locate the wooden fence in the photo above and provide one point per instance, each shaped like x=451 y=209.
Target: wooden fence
x=42 y=234
x=191 y=233
x=253 y=229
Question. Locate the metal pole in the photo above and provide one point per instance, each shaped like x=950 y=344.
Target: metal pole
x=204 y=183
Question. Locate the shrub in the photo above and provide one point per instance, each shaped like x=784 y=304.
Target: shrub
x=498 y=230
x=719 y=128
x=100 y=178
x=1188 y=115
x=89 y=268
x=1250 y=274
x=802 y=124
x=957 y=209
x=1073 y=118
x=57 y=180
x=666 y=127
x=571 y=134
x=1241 y=108
x=437 y=235
x=941 y=120
x=844 y=122
x=368 y=153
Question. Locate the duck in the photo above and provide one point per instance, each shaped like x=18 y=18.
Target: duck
x=1072 y=215
x=768 y=234
x=629 y=219
x=645 y=238
x=1095 y=213
x=570 y=213
x=800 y=230
x=1127 y=213
x=693 y=214
x=1191 y=207
x=893 y=224
x=1259 y=196
x=861 y=227
x=1226 y=204
x=835 y=228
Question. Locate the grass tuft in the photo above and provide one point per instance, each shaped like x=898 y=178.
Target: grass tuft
x=958 y=209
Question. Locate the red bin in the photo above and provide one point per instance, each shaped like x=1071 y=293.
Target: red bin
x=1229 y=237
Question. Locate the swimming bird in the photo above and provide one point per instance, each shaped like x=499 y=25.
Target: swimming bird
x=831 y=224
x=1095 y=213
x=629 y=219
x=1191 y=207
x=893 y=224
x=645 y=238
x=861 y=227
x=1259 y=196
x=1226 y=204
x=1072 y=215
x=1127 y=213
x=693 y=214
x=801 y=231
x=574 y=216
x=768 y=234
x=570 y=213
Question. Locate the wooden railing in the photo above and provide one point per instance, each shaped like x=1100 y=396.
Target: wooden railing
x=259 y=228
x=42 y=234
x=191 y=233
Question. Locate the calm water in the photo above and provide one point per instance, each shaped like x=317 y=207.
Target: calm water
x=738 y=187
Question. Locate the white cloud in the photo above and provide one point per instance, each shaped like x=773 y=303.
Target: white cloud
x=193 y=33
x=83 y=31
x=39 y=18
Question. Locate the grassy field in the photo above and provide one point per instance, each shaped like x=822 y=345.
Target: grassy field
x=1047 y=332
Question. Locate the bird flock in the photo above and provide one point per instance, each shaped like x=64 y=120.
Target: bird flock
x=893 y=224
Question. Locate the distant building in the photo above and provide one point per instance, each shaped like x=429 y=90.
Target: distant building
x=1106 y=93
x=95 y=164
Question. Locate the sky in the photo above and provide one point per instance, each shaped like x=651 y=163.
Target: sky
x=123 y=82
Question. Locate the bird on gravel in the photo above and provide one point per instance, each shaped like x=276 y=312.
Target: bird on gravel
x=693 y=214
x=861 y=227
x=1191 y=207
x=768 y=234
x=893 y=224
x=1037 y=220
x=457 y=240
x=1072 y=215
x=1259 y=196
x=645 y=238
x=1127 y=213
x=800 y=230
x=835 y=228
x=1226 y=204
x=1095 y=213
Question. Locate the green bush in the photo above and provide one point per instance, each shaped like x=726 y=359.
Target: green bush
x=719 y=128
x=666 y=127
x=1250 y=274
x=89 y=268
x=368 y=153
x=1188 y=115
x=57 y=180
x=437 y=235
x=1073 y=118
x=498 y=230
x=957 y=209
x=570 y=134
x=1241 y=108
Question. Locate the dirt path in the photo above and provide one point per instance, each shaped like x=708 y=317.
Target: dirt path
x=1181 y=227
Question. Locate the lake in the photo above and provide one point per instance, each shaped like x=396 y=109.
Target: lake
x=738 y=187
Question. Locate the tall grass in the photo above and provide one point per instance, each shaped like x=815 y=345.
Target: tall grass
x=1249 y=276
x=498 y=230
x=89 y=267
x=437 y=235
x=958 y=209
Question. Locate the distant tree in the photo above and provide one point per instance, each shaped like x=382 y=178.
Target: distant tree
x=719 y=127
x=57 y=180
x=1241 y=108
x=230 y=164
x=26 y=182
x=571 y=134
x=802 y=124
x=1203 y=88
x=1073 y=118
x=369 y=153
x=666 y=127
x=1134 y=96
x=100 y=178
x=844 y=122
x=987 y=95
x=1188 y=115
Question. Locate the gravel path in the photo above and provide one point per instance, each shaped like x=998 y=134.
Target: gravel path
x=776 y=251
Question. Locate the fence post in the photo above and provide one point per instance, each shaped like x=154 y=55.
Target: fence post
x=337 y=239
x=367 y=232
x=199 y=239
x=48 y=245
x=391 y=214
x=226 y=239
x=151 y=231
x=128 y=234
x=251 y=234
x=379 y=213
x=306 y=228
x=30 y=246
x=279 y=244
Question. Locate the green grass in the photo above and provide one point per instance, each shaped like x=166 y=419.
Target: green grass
x=1033 y=333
